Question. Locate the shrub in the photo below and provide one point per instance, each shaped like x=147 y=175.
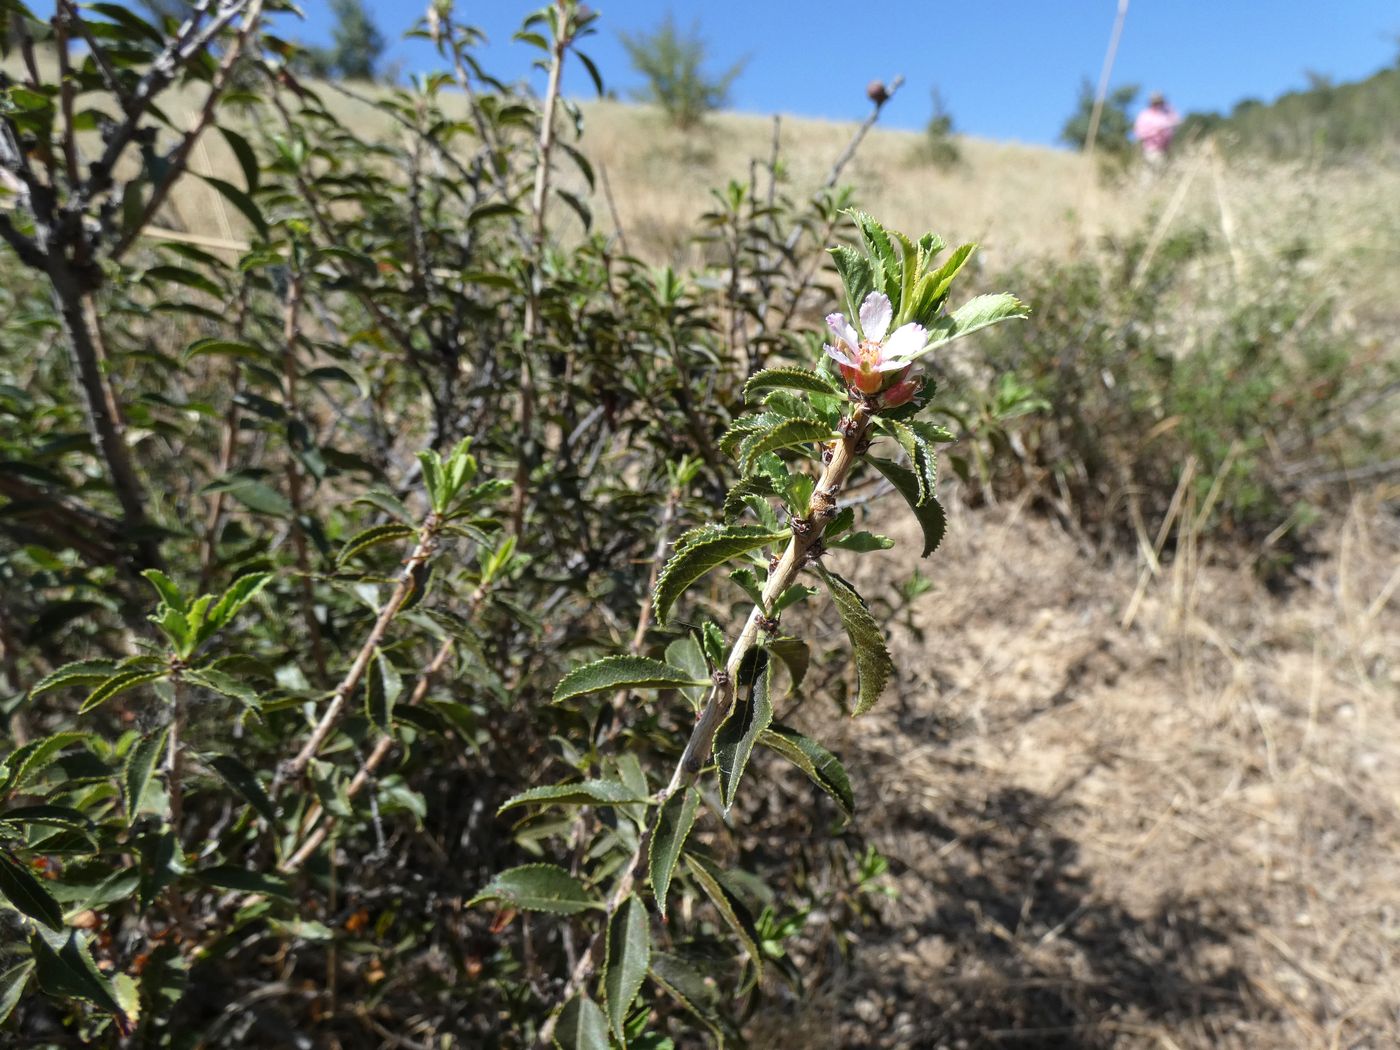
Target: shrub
x=673 y=64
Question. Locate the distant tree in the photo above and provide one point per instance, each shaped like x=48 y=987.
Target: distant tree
x=356 y=45
x=673 y=64
x=939 y=146
x=1115 y=122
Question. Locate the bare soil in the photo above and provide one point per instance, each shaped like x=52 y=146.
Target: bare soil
x=1184 y=833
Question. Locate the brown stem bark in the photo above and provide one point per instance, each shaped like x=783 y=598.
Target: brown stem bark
x=721 y=700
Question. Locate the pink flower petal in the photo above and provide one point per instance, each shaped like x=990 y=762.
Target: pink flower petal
x=875 y=316
x=842 y=329
x=909 y=340
x=843 y=356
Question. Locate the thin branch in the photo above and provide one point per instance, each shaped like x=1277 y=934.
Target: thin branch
x=801 y=549
x=408 y=581
x=188 y=42
x=539 y=201
x=177 y=158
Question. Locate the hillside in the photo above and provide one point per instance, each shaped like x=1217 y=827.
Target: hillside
x=1323 y=122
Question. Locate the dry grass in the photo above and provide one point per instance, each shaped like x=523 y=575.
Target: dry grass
x=1182 y=834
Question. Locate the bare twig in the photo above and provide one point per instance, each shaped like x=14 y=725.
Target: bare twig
x=539 y=201
x=178 y=157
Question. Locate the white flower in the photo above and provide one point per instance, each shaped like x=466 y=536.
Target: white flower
x=874 y=364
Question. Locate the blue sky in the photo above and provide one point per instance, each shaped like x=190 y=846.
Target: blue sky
x=1007 y=69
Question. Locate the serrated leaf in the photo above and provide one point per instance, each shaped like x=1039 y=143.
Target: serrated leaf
x=580 y=793
x=387 y=502
x=27 y=894
x=224 y=348
x=736 y=737
x=582 y=1025
x=679 y=979
x=704 y=554
x=241 y=201
x=27 y=762
x=735 y=913
x=973 y=315
x=225 y=684
x=12 y=984
x=141 y=763
x=538 y=887
x=861 y=543
x=873 y=663
x=65 y=969
x=755 y=486
x=169 y=593
x=244 y=781
x=787 y=434
x=673 y=826
x=787 y=379
x=929 y=514
x=686 y=655
x=116 y=685
x=626 y=960
x=232 y=877
x=383 y=686
x=824 y=768
x=243 y=590
x=622 y=672
x=795 y=654
x=83 y=672
x=923 y=457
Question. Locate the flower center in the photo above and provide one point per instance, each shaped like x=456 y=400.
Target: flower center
x=869 y=355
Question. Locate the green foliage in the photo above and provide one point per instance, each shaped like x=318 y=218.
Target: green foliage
x=939 y=147
x=290 y=662
x=1113 y=138
x=356 y=48
x=1324 y=122
x=673 y=63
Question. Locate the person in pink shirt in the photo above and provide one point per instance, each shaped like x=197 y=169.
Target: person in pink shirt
x=1154 y=129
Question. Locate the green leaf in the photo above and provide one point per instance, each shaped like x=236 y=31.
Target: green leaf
x=795 y=654
x=256 y=496
x=27 y=762
x=244 y=781
x=373 y=536
x=824 y=768
x=65 y=969
x=243 y=590
x=628 y=956
x=673 y=826
x=706 y=551
x=27 y=893
x=241 y=201
x=787 y=434
x=861 y=542
x=923 y=457
x=734 y=912
x=873 y=664
x=224 y=348
x=141 y=763
x=736 y=737
x=581 y=1026
x=787 y=379
x=538 y=887
x=686 y=654
x=973 y=315
x=116 y=685
x=247 y=159
x=383 y=685
x=755 y=486
x=232 y=877
x=83 y=672
x=622 y=672
x=12 y=984
x=580 y=793
x=929 y=514
x=225 y=684
x=169 y=593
